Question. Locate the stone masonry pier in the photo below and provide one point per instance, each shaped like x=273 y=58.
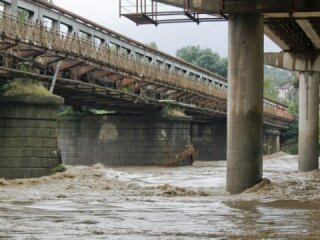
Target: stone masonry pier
x=28 y=136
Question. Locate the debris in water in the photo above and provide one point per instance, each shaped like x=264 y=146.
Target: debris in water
x=168 y=190
x=259 y=186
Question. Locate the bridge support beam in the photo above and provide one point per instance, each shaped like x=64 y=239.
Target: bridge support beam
x=245 y=102
x=308 y=121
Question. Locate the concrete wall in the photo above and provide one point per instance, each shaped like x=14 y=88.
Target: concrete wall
x=28 y=136
x=122 y=140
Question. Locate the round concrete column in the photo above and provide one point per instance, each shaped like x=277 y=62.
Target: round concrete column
x=308 y=121
x=245 y=102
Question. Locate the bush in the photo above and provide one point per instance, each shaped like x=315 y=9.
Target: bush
x=23 y=87
x=58 y=169
x=291 y=136
x=169 y=111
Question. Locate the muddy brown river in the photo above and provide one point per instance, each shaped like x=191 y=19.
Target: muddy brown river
x=162 y=203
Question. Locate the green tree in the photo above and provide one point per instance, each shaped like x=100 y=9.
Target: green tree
x=291 y=135
x=279 y=76
x=204 y=58
x=269 y=88
x=22 y=14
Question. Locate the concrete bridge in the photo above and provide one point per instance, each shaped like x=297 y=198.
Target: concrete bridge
x=90 y=65
x=293 y=26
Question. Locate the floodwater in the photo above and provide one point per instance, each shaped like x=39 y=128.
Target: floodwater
x=162 y=203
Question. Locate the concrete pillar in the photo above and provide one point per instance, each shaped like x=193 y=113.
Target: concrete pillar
x=245 y=106
x=308 y=121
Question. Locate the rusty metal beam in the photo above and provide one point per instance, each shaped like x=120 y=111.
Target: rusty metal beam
x=126 y=82
x=68 y=64
x=81 y=70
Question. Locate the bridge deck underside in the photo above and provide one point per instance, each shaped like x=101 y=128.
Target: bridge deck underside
x=300 y=34
x=294 y=25
x=100 y=78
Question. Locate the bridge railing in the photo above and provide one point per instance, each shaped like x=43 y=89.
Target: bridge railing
x=75 y=46
x=272 y=107
x=275 y=111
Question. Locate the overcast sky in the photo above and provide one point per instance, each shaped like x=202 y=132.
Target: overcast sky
x=169 y=37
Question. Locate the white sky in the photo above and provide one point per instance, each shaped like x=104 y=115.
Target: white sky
x=169 y=37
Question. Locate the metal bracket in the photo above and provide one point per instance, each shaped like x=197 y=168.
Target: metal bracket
x=55 y=76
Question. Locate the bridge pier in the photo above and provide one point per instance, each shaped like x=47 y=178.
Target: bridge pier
x=245 y=102
x=28 y=136
x=308 y=121
x=271 y=141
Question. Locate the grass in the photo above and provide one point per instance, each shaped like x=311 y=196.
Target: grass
x=168 y=111
x=67 y=111
x=24 y=87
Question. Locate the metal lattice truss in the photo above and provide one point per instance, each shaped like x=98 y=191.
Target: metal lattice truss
x=153 y=12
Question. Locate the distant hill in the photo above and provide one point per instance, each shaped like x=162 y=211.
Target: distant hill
x=279 y=76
